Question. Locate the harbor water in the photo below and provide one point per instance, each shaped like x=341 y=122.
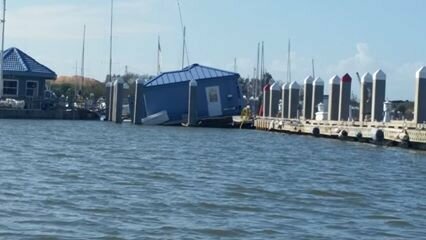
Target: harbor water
x=100 y=180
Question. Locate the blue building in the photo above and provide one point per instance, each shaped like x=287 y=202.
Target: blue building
x=23 y=76
x=218 y=93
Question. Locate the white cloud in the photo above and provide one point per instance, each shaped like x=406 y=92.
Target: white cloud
x=361 y=62
x=65 y=21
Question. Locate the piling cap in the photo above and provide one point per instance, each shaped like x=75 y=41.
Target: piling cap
x=193 y=83
x=275 y=86
x=379 y=75
x=308 y=80
x=285 y=86
x=318 y=82
x=266 y=88
x=140 y=81
x=421 y=73
x=367 y=78
x=334 y=80
x=294 y=85
x=346 y=78
x=118 y=81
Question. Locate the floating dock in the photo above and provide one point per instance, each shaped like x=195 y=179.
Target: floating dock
x=395 y=133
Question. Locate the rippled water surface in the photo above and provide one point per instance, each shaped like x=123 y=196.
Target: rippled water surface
x=99 y=180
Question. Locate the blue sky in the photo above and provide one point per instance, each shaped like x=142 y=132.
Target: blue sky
x=342 y=36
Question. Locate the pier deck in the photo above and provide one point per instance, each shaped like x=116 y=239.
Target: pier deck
x=401 y=133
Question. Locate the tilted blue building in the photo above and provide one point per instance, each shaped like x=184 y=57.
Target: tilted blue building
x=23 y=76
x=218 y=93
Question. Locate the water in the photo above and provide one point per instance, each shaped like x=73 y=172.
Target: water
x=99 y=180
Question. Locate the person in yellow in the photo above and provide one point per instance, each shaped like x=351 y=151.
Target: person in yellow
x=245 y=115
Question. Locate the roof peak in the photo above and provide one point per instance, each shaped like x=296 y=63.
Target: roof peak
x=193 y=71
x=18 y=63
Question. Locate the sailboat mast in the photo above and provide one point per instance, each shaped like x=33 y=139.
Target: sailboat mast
x=3 y=21
x=289 y=63
x=257 y=69
x=183 y=47
x=158 y=56
x=262 y=72
x=82 y=59
x=110 y=42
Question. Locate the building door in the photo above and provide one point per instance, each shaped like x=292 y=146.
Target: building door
x=213 y=101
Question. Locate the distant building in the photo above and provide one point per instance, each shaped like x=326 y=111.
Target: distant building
x=23 y=76
x=218 y=91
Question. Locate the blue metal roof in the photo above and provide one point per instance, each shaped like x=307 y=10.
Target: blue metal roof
x=18 y=63
x=194 y=71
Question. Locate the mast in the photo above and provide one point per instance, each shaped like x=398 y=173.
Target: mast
x=235 y=64
x=110 y=42
x=257 y=69
x=158 y=56
x=3 y=21
x=313 y=68
x=262 y=65
x=82 y=61
x=183 y=47
x=76 y=79
x=289 y=63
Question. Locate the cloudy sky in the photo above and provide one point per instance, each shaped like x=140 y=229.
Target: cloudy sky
x=342 y=36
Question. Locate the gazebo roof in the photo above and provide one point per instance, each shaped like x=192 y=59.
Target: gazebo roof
x=18 y=63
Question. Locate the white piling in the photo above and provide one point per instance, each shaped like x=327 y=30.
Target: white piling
x=345 y=97
x=139 y=108
x=294 y=90
x=307 y=97
x=192 y=103
x=285 y=100
x=317 y=95
x=378 y=96
x=275 y=95
x=333 y=98
x=365 y=96
x=420 y=97
x=118 y=101
x=265 y=100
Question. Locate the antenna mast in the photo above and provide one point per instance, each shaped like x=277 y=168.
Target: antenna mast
x=158 y=56
x=82 y=60
x=289 y=63
x=110 y=42
x=184 y=48
x=257 y=69
x=3 y=21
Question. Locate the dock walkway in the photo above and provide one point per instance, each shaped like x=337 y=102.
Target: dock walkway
x=394 y=133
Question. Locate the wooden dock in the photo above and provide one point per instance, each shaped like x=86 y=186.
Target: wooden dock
x=394 y=133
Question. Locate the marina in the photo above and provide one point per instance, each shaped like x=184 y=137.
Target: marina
x=150 y=120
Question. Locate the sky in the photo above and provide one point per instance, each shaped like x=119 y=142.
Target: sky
x=342 y=36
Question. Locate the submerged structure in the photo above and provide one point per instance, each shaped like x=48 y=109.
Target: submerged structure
x=218 y=94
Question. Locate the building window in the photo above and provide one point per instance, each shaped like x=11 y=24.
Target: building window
x=10 y=88
x=31 y=89
x=213 y=95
